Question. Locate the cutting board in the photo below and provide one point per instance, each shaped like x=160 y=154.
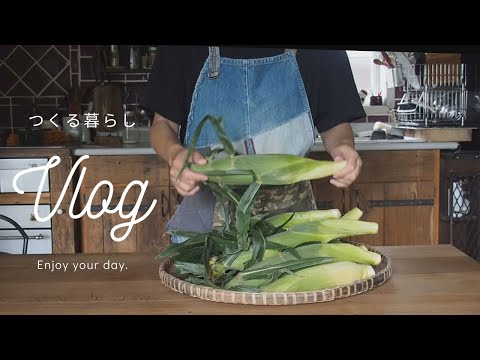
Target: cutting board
x=107 y=99
x=440 y=134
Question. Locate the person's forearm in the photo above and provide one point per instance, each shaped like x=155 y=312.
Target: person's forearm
x=164 y=138
x=339 y=135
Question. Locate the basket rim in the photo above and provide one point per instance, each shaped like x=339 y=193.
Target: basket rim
x=278 y=298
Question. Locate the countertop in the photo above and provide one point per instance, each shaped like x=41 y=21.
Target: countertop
x=426 y=280
x=361 y=144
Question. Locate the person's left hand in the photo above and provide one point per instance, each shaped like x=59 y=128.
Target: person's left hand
x=349 y=173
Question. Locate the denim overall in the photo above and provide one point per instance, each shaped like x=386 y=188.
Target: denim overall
x=265 y=110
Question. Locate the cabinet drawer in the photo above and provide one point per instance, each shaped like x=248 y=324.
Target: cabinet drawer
x=27 y=182
x=24 y=216
x=35 y=246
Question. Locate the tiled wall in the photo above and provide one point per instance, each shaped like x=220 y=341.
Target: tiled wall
x=46 y=73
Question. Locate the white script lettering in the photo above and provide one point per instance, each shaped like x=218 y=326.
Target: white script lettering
x=54 y=161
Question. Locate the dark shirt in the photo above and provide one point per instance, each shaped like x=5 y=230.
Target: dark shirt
x=326 y=74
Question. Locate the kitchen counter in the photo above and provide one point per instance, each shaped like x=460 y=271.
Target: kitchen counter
x=426 y=280
x=361 y=144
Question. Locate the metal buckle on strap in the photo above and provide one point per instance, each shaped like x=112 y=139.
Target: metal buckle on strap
x=214 y=62
x=213 y=74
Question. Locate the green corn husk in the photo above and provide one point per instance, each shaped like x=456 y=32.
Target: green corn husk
x=267 y=169
x=354 y=214
x=270 y=272
x=323 y=231
x=363 y=247
x=300 y=217
x=340 y=251
x=320 y=277
x=246 y=255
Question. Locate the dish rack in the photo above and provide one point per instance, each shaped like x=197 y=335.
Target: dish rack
x=435 y=95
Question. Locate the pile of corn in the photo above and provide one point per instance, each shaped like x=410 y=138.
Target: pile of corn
x=285 y=252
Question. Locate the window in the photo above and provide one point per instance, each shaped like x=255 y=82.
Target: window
x=368 y=76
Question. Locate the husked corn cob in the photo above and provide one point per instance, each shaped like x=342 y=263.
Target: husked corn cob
x=267 y=169
x=321 y=277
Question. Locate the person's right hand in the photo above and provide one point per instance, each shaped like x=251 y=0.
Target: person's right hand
x=189 y=182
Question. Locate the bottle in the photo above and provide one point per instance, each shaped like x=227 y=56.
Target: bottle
x=151 y=53
x=114 y=56
x=134 y=57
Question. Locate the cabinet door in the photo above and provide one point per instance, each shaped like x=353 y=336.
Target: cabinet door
x=151 y=236
x=328 y=196
x=91 y=229
x=129 y=244
x=63 y=231
x=175 y=200
x=360 y=196
x=409 y=225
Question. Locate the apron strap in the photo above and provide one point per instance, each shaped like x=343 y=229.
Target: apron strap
x=213 y=62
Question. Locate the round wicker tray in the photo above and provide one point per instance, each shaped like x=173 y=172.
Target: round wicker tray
x=383 y=272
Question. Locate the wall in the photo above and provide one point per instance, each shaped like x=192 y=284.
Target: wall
x=47 y=73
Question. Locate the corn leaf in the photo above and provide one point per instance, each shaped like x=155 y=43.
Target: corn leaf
x=217 y=125
x=258 y=248
x=259 y=270
x=193 y=242
x=224 y=245
x=223 y=192
x=193 y=255
x=244 y=214
x=189 y=268
x=189 y=234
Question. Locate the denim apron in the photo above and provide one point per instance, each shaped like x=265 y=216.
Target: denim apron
x=265 y=110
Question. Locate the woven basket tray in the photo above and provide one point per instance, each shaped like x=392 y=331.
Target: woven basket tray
x=383 y=271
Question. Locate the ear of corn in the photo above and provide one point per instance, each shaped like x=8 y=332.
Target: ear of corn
x=267 y=169
x=245 y=256
x=267 y=271
x=300 y=217
x=363 y=247
x=332 y=252
x=323 y=231
x=340 y=251
x=321 y=277
x=285 y=252
x=354 y=214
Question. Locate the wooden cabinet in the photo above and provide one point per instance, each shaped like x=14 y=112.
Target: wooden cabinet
x=148 y=235
x=62 y=225
x=399 y=190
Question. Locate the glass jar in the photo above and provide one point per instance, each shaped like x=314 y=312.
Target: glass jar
x=130 y=132
x=151 y=53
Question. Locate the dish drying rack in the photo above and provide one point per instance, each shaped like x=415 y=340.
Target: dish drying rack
x=435 y=95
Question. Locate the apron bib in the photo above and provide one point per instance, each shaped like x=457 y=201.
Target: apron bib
x=265 y=110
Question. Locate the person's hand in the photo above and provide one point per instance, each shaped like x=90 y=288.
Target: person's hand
x=189 y=182
x=349 y=173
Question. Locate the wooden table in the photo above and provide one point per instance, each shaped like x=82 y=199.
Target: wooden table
x=426 y=280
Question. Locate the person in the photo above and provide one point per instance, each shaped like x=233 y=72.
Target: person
x=272 y=100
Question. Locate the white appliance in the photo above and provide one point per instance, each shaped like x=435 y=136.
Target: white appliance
x=39 y=232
